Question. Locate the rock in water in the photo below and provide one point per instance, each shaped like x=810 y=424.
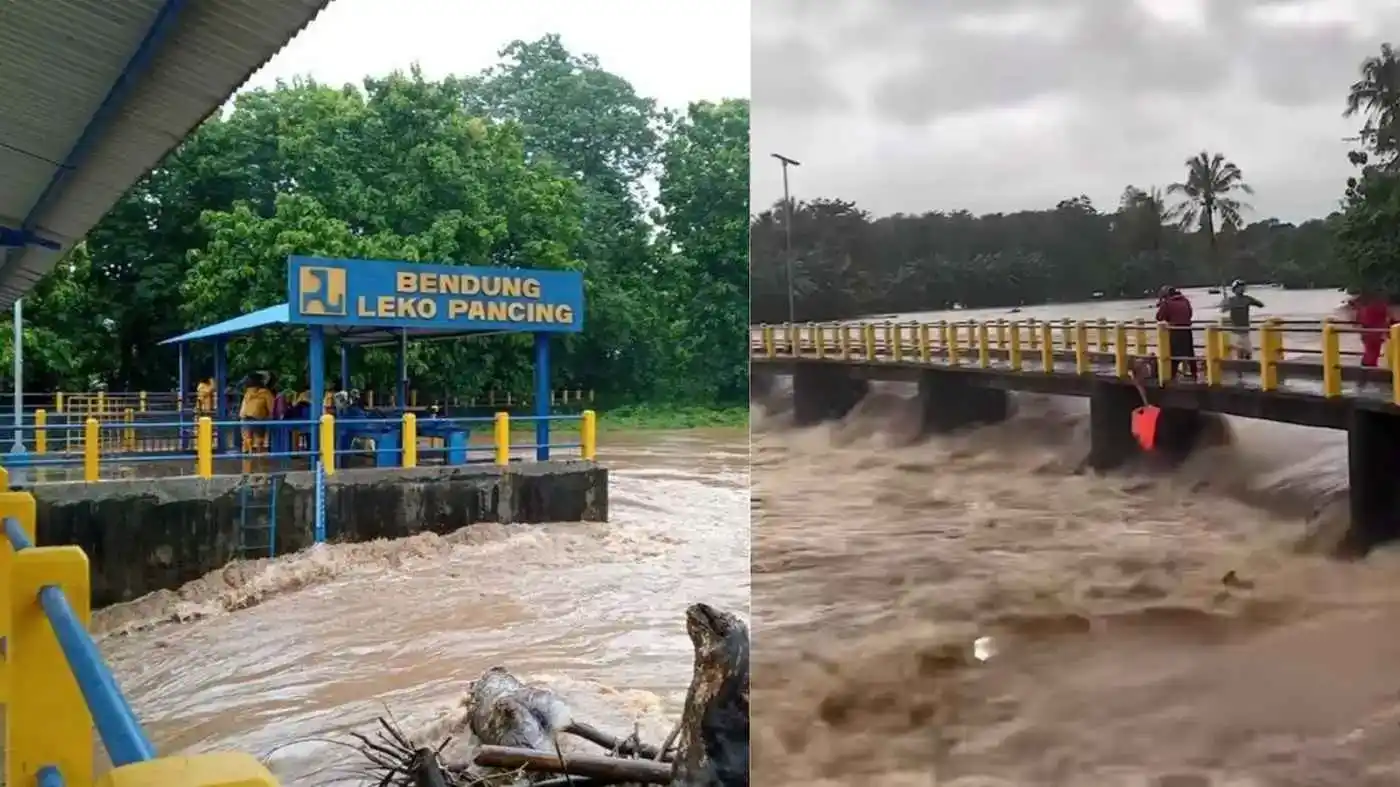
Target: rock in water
x=507 y=712
x=713 y=744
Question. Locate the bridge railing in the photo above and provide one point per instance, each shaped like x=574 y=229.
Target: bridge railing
x=55 y=686
x=1089 y=347
x=157 y=444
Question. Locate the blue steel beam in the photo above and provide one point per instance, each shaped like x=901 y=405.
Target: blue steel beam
x=101 y=120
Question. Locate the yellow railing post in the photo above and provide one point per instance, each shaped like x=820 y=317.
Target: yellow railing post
x=20 y=506
x=58 y=402
x=204 y=447
x=1269 y=339
x=47 y=721
x=1165 y=364
x=1047 y=347
x=41 y=432
x=410 y=440
x=1033 y=334
x=1213 y=355
x=1139 y=337
x=1069 y=333
x=1001 y=334
x=924 y=352
x=769 y=348
x=129 y=432
x=413 y=398
x=892 y=340
x=1015 y=351
x=588 y=441
x=843 y=338
x=1120 y=350
x=819 y=338
x=984 y=342
x=1331 y=360
x=327 y=440
x=92 y=437
x=950 y=341
x=101 y=402
x=1101 y=328
x=142 y=398
x=867 y=335
x=1081 y=348
x=502 y=438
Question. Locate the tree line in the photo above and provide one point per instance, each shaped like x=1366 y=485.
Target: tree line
x=846 y=262
x=541 y=161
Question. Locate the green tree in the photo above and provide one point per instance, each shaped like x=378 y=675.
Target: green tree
x=1376 y=97
x=1209 y=202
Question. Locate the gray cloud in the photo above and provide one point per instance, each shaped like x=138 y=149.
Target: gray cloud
x=914 y=105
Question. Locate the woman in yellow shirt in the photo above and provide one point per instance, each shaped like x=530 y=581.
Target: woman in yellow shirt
x=257 y=406
x=204 y=397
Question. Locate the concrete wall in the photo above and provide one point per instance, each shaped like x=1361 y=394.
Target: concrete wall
x=146 y=535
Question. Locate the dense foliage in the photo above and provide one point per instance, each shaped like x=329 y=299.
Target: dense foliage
x=846 y=262
x=543 y=161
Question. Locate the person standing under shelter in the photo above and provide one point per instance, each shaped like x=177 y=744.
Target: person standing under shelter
x=257 y=406
x=1174 y=309
x=1236 y=307
x=204 y=397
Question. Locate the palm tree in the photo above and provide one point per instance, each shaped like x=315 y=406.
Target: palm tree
x=1376 y=96
x=1208 y=198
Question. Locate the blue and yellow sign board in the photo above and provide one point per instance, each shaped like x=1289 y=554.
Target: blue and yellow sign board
x=390 y=294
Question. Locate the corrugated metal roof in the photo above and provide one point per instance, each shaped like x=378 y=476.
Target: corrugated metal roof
x=58 y=61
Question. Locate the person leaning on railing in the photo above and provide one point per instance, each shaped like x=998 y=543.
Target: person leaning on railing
x=257 y=406
x=204 y=397
x=1372 y=315
x=1174 y=309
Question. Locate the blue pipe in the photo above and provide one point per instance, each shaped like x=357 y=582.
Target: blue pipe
x=18 y=538
x=542 y=397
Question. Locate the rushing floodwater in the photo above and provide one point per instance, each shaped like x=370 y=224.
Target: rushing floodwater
x=975 y=610
x=317 y=644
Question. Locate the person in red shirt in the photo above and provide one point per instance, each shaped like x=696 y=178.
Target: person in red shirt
x=1174 y=309
x=1373 y=316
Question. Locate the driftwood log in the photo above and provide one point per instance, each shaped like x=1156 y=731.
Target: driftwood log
x=518 y=728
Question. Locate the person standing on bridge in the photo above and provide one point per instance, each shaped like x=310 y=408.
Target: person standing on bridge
x=1373 y=317
x=1236 y=307
x=1174 y=309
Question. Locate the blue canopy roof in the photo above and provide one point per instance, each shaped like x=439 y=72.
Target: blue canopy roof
x=281 y=315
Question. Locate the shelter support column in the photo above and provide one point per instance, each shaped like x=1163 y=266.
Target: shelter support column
x=182 y=385
x=824 y=392
x=542 y=397
x=316 y=366
x=1111 y=440
x=222 y=435
x=1373 y=454
x=949 y=401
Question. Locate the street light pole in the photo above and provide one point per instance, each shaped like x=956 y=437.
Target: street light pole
x=787 y=229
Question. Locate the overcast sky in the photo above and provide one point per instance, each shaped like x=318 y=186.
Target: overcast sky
x=1001 y=105
x=675 y=51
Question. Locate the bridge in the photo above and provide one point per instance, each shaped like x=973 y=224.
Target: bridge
x=1302 y=372
x=92 y=97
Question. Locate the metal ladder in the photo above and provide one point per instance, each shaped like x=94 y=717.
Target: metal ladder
x=257 y=516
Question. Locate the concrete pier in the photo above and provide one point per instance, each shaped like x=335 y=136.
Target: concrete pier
x=824 y=393
x=949 y=401
x=1111 y=440
x=1373 y=456
x=147 y=535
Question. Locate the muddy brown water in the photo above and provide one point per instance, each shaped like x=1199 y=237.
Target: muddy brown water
x=971 y=610
x=279 y=658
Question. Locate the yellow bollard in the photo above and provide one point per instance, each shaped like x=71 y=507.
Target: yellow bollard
x=1015 y=351
x=588 y=442
x=92 y=435
x=1165 y=364
x=47 y=720
x=769 y=348
x=1047 y=348
x=58 y=402
x=142 y=398
x=1120 y=350
x=1213 y=355
x=984 y=349
x=41 y=432
x=204 y=447
x=502 y=438
x=1331 y=360
x=924 y=351
x=410 y=440
x=1081 y=349
x=129 y=432
x=327 y=440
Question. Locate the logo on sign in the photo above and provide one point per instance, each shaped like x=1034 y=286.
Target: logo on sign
x=321 y=292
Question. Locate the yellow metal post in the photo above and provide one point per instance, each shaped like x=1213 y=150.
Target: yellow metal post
x=1213 y=355
x=867 y=335
x=41 y=432
x=1001 y=334
x=894 y=340
x=20 y=506
x=1015 y=351
x=1165 y=364
x=1331 y=360
x=327 y=440
x=1081 y=348
x=950 y=342
x=844 y=338
x=47 y=721
x=1033 y=334
x=1139 y=337
x=204 y=447
x=1102 y=330
x=129 y=432
x=819 y=332
x=502 y=436
x=101 y=402
x=142 y=398
x=984 y=348
x=1269 y=339
x=413 y=398
x=924 y=352
x=92 y=435
x=769 y=349
x=410 y=440
x=1120 y=350
x=588 y=442
x=1047 y=348
x=1068 y=325
x=58 y=402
